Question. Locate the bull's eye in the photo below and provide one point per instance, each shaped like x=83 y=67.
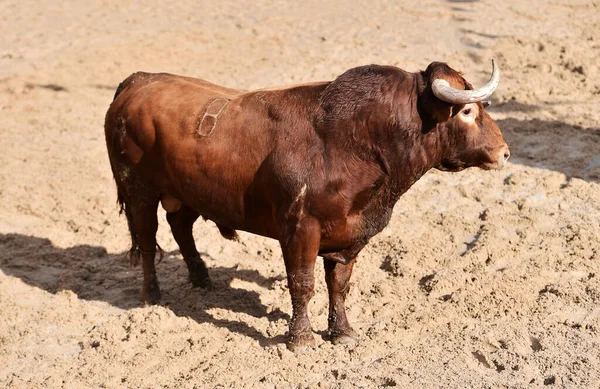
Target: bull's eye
x=468 y=113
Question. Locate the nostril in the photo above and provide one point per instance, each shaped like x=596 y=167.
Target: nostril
x=506 y=155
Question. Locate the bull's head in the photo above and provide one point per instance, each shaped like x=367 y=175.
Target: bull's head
x=470 y=136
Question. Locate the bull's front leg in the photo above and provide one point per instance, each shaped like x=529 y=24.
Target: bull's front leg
x=300 y=249
x=337 y=276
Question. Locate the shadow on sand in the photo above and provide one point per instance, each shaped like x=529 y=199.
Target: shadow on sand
x=93 y=274
x=553 y=145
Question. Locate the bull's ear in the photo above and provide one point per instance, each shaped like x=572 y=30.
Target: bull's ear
x=431 y=109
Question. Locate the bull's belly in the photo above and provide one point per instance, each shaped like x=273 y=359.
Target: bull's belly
x=234 y=208
x=225 y=210
x=254 y=214
x=255 y=221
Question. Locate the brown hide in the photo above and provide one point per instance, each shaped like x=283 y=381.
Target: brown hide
x=317 y=166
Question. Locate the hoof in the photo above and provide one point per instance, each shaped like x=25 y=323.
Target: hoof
x=198 y=274
x=151 y=295
x=204 y=283
x=301 y=344
x=346 y=337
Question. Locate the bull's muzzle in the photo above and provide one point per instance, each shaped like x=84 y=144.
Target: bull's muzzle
x=500 y=157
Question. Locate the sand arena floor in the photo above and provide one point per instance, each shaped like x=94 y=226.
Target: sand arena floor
x=482 y=279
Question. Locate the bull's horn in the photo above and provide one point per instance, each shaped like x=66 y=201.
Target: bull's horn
x=443 y=91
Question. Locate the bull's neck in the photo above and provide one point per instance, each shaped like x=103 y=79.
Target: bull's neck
x=409 y=147
x=412 y=157
x=385 y=128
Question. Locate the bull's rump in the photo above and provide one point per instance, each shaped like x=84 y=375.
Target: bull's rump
x=152 y=131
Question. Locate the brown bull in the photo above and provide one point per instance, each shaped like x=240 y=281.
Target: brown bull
x=318 y=167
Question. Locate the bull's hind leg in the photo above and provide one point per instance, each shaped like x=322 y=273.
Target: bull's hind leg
x=182 y=222
x=140 y=207
x=337 y=276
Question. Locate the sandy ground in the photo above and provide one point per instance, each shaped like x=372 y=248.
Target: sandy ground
x=482 y=279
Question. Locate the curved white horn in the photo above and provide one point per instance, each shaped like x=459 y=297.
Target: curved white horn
x=443 y=91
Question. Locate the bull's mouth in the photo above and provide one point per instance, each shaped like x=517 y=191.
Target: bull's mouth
x=492 y=166
x=481 y=158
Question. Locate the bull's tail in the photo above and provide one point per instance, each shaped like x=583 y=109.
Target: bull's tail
x=133 y=254
x=121 y=202
x=125 y=206
x=117 y=167
x=126 y=179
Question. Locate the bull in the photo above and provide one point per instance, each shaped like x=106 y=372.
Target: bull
x=316 y=166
